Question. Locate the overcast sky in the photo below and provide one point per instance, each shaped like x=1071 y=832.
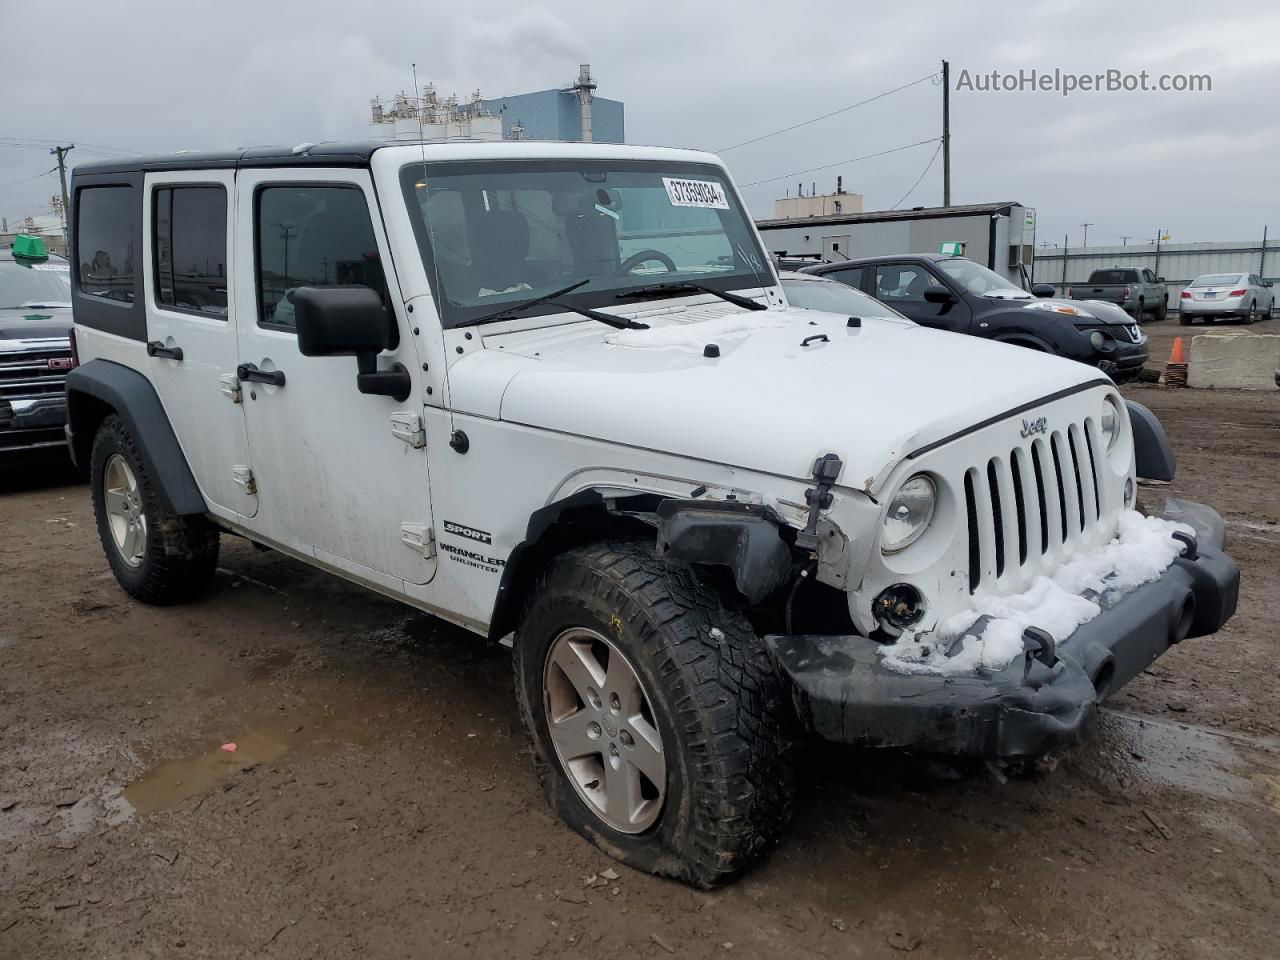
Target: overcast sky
x=160 y=76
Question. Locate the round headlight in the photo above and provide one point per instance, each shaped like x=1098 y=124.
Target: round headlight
x=1097 y=339
x=1110 y=421
x=909 y=513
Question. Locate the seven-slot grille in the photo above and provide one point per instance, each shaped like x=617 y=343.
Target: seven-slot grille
x=1032 y=502
x=27 y=372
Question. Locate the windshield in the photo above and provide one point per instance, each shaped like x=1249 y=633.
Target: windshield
x=47 y=283
x=497 y=233
x=978 y=279
x=1217 y=280
x=833 y=296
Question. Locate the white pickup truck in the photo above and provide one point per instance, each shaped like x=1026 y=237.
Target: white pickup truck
x=554 y=393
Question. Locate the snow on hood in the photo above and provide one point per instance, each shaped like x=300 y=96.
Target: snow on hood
x=869 y=394
x=1142 y=550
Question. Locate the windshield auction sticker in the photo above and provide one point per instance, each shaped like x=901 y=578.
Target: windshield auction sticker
x=696 y=193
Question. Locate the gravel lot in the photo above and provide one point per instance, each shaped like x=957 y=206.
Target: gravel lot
x=380 y=803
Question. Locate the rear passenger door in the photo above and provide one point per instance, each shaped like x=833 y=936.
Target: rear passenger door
x=341 y=475
x=191 y=329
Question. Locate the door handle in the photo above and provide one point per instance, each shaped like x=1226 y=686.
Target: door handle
x=251 y=373
x=156 y=348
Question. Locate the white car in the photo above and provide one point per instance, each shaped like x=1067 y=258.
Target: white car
x=554 y=394
x=1222 y=296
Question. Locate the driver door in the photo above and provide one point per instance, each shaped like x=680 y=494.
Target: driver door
x=340 y=476
x=902 y=286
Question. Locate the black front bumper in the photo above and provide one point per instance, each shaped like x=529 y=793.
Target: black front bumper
x=30 y=424
x=842 y=692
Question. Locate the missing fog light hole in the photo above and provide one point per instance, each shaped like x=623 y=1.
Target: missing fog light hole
x=899 y=605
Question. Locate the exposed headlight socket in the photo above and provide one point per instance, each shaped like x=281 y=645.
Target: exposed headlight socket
x=900 y=605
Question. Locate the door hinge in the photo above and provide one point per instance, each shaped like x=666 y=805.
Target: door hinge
x=243 y=476
x=230 y=387
x=408 y=427
x=419 y=537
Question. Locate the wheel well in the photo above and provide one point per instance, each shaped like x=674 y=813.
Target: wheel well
x=1025 y=342
x=573 y=522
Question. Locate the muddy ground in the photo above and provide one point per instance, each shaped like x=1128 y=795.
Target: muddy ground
x=380 y=803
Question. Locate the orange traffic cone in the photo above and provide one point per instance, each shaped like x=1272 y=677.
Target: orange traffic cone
x=1175 y=372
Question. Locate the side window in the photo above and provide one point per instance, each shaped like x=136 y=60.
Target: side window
x=312 y=236
x=106 y=224
x=190 y=249
x=852 y=276
x=902 y=283
x=1148 y=276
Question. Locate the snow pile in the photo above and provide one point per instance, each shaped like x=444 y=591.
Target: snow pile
x=695 y=336
x=1142 y=550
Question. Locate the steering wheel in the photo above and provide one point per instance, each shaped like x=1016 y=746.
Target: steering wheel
x=644 y=256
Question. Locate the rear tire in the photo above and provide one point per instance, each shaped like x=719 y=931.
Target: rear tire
x=156 y=556
x=1184 y=320
x=1162 y=313
x=713 y=702
x=1251 y=317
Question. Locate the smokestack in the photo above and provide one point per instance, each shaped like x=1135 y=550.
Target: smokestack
x=585 y=88
x=839 y=184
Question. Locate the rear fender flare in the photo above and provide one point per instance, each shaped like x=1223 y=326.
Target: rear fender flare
x=102 y=387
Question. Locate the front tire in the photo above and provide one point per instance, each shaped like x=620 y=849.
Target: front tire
x=1252 y=316
x=659 y=729
x=156 y=556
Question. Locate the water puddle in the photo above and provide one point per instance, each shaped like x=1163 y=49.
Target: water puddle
x=1220 y=766
x=168 y=785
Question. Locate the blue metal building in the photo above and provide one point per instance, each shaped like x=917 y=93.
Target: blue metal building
x=556 y=115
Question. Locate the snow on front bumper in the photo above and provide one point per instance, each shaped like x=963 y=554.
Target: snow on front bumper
x=843 y=690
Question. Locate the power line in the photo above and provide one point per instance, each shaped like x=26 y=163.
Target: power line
x=828 y=166
x=833 y=113
x=6 y=186
x=928 y=166
x=31 y=143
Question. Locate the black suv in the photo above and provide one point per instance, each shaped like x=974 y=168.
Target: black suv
x=954 y=293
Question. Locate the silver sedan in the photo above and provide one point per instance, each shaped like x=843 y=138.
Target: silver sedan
x=1219 y=296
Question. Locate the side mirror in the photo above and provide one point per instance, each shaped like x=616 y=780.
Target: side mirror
x=936 y=293
x=1159 y=279
x=351 y=321
x=1044 y=290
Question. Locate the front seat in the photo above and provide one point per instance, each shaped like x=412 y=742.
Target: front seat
x=499 y=242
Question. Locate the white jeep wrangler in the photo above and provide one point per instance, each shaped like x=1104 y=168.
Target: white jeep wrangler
x=554 y=392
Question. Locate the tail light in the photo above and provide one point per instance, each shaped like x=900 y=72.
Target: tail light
x=1071 y=293
x=1238 y=293
x=75 y=348
x=1186 y=294
x=1126 y=293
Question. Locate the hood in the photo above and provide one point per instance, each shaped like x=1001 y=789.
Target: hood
x=869 y=394
x=29 y=323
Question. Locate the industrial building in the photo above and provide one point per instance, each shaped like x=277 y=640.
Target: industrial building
x=999 y=235
x=572 y=112
x=816 y=204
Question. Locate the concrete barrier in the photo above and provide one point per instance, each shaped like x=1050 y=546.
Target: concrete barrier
x=1243 y=361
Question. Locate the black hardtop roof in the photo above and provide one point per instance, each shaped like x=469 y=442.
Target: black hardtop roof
x=354 y=154
x=837 y=264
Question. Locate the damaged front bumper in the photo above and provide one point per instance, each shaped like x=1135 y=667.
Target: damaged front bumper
x=841 y=691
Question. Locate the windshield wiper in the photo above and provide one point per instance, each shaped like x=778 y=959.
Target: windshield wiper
x=513 y=311
x=685 y=286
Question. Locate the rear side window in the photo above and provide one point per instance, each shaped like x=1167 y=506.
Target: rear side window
x=190 y=240
x=312 y=236
x=106 y=224
x=852 y=276
x=1114 y=276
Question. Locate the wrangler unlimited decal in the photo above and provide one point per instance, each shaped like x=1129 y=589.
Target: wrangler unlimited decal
x=473 y=559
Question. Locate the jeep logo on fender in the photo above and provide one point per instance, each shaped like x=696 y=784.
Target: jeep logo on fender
x=471 y=533
x=1032 y=427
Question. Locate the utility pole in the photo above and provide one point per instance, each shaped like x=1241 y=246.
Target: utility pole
x=1156 y=269
x=61 y=154
x=946 y=133
x=1085 y=241
x=1065 y=239
x=1124 y=241
x=1262 y=261
x=287 y=232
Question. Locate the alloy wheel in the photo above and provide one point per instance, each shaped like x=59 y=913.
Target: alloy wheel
x=602 y=724
x=123 y=503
